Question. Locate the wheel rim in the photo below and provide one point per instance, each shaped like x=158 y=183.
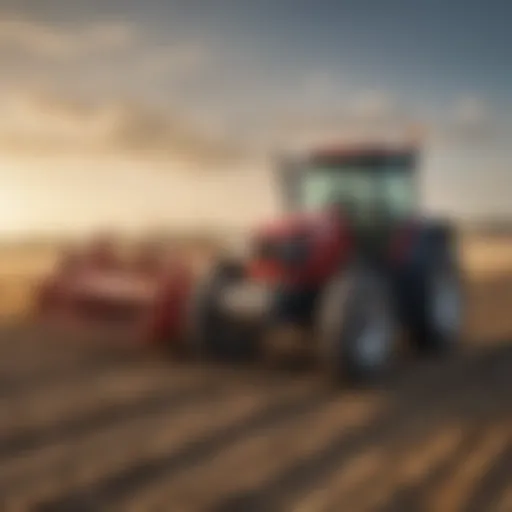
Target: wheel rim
x=374 y=341
x=446 y=306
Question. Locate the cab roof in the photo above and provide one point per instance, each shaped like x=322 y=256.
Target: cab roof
x=364 y=154
x=363 y=151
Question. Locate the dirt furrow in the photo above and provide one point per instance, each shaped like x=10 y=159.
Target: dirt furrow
x=112 y=462
x=256 y=458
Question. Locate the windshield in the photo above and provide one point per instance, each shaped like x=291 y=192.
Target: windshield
x=360 y=190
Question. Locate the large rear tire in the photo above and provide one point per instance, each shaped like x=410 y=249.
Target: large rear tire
x=357 y=325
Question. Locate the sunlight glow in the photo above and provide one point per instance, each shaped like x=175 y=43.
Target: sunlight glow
x=12 y=208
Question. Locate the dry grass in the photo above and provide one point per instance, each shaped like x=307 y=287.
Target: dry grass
x=487 y=255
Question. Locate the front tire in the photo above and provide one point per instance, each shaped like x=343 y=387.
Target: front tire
x=357 y=325
x=213 y=333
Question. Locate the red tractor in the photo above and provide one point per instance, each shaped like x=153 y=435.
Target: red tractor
x=351 y=264
x=144 y=298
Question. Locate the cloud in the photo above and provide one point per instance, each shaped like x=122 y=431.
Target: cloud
x=64 y=42
x=38 y=122
x=471 y=112
x=317 y=90
x=362 y=116
x=471 y=122
x=182 y=59
x=33 y=122
x=372 y=106
x=379 y=116
x=117 y=48
x=108 y=59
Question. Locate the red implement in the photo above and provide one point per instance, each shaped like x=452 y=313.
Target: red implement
x=144 y=300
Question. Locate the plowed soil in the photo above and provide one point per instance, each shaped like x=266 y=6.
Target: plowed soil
x=93 y=428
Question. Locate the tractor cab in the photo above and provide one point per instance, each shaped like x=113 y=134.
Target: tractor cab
x=373 y=188
x=369 y=184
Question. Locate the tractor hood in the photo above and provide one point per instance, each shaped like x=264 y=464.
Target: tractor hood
x=295 y=224
x=298 y=248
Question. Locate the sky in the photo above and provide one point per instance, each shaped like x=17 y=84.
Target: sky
x=180 y=88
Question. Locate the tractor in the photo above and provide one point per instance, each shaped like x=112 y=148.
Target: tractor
x=350 y=265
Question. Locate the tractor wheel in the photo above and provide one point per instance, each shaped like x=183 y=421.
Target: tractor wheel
x=357 y=325
x=437 y=318
x=213 y=333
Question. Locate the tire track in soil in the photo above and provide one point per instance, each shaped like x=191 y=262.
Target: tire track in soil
x=153 y=432
x=188 y=427
x=503 y=502
x=78 y=411
x=119 y=485
x=268 y=450
x=409 y=470
x=487 y=492
x=453 y=494
x=347 y=488
x=417 y=398
x=64 y=371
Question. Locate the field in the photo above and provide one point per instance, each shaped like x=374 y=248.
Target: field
x=87 y=427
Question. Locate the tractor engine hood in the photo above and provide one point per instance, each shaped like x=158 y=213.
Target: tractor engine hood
x=292 y=226
x=294 y=243
x=300 y=224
